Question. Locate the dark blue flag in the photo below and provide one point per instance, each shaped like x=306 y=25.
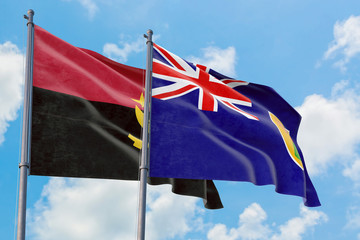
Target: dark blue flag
x=205 y=125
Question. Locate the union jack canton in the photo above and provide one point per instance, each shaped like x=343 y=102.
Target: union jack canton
x=185 y=77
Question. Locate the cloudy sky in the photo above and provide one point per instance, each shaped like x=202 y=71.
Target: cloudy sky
x=308 y=52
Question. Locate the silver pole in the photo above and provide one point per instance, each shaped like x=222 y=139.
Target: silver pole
x=144 y=168
x=26 y=131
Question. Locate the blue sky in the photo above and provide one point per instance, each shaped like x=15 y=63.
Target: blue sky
x=308 y=51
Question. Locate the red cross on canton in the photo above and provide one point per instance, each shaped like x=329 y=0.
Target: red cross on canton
x=187 y=79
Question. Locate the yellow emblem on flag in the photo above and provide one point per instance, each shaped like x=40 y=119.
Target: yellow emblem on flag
x=290 y=146
x=140 y=117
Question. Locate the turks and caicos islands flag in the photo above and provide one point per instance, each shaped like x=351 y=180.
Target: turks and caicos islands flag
x=205 y=125
x=84 y=118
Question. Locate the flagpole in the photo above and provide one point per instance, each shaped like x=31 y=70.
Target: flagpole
x=144 y=168
x=26 y=130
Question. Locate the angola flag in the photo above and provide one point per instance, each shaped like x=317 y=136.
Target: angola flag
x=86 y=118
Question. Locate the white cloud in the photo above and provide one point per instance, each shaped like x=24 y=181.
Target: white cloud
x=221 y=60
x=346 y=41
x=11 y=81
x=116 y=53
x=107 y=209
x=353 y=218
x=252 y=226
x=330 y=129
x=251 y=223
x=220 y=232
x=85 y=209
x=353 y=172
x=170 y=215
x=90 y=6
x=298 y=226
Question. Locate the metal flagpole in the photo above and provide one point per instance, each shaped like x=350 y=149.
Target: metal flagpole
x=144 y=168
x=26 y=131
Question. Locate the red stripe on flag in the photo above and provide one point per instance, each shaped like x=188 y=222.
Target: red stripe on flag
x=239 y=110
x=226 y=81
x=174 y=93
x=208 y=102
x=169 y=57
x=61 y=67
